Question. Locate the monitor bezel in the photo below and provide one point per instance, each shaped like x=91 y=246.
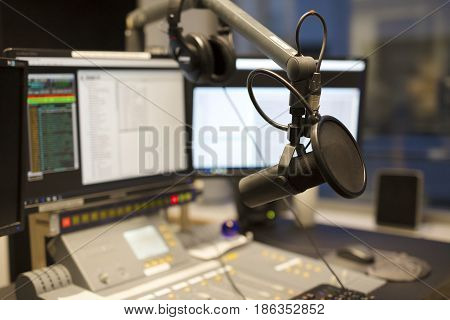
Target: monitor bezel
x=18 y=225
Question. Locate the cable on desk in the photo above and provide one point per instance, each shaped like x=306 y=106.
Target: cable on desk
x=314 y=244
x=230 y=279
x=222 y=264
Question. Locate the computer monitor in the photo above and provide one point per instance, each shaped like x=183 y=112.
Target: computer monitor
x=13 y=77
x=226 y=126
x=97 y=125
x=105 y=140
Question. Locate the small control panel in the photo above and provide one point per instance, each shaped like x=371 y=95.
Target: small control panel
x=144 y=246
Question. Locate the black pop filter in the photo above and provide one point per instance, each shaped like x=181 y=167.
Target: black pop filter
x=335 y=159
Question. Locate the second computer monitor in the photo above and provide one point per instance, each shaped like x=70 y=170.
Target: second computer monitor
x=229 y=137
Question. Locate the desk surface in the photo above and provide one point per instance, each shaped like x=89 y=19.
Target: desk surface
x=286 y=235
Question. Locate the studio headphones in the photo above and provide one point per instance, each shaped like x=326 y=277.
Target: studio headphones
x=203 y=59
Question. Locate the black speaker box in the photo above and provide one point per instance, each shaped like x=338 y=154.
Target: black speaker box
x=399 y=197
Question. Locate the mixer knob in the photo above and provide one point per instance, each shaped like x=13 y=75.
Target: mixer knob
x=104 y=277
x=230 y=228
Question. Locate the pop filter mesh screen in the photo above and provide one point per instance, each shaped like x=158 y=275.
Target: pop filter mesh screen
x=340 y=154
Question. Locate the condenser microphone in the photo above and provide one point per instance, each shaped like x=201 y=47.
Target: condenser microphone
x=335 y=159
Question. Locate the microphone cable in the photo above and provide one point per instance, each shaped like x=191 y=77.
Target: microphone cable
x=275 y=76
x=324 y=35
x=313 y=243
x=222 y=263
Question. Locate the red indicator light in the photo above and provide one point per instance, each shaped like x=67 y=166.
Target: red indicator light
x=65 y=222
x=174 y=199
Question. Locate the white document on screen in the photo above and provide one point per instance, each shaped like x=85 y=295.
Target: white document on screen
x=131 y=123
x=226 y=126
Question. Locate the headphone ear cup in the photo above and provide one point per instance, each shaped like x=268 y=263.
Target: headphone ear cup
x=224 y=58
x=203 y=59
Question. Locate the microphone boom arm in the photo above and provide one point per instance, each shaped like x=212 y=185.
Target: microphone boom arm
x=298 y=67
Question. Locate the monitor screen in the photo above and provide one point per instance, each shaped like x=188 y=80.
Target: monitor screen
x=12 y=105
x=96 y=125
x=146 y=242
x=52 y=125
x=113 y=108
x=226 y=127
